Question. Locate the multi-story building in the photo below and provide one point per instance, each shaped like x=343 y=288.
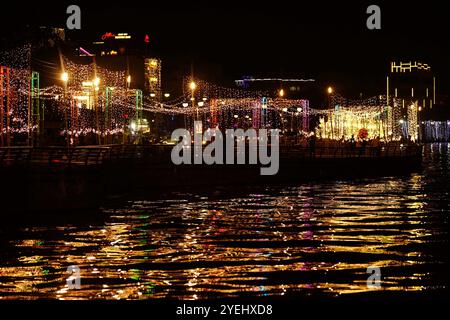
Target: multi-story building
x=152 y=67
x=124 y=50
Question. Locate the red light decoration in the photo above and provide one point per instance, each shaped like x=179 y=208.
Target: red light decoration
x=147 y=38
x=108 y=35
x=363 y=133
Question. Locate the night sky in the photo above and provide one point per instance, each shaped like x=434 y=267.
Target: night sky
x=327 y=41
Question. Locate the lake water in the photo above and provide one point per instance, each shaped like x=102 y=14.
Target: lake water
x=312 y=239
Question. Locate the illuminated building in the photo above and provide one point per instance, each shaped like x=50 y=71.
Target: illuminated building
x=124 y=51
x=153 y=77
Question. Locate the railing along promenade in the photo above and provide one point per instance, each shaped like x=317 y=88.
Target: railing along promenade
x=85 y=156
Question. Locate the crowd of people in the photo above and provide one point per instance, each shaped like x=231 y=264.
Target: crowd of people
x=350 y=144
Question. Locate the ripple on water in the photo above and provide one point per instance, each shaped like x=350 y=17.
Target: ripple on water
x=314 y=238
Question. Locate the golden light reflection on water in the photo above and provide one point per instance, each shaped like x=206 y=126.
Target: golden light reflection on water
x=313 y=239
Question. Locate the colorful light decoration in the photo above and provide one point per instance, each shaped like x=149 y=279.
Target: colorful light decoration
x=5 y=105
x=378 y=115
x=99 y=101
x=435 y=131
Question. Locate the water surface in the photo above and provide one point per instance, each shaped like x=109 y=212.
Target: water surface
x=314 y=238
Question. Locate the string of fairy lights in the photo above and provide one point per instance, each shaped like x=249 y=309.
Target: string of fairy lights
x=90 y=99
x=14 y=93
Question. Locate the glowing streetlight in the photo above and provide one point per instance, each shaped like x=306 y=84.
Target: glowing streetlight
x=166 y=95
x=128 y=79
x=65 y=76
x=185 y=105
x=330 y=90
x=201 y=103
x=65 y=79
x=193 y=86
x=96 y=82
x=152 y=95
x=281 y=93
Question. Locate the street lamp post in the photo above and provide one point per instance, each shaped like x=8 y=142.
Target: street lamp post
x=65 y=79
x=124 y=120
x=419 y=125
x=193 y=86
x=330 y=92
x=96 y=83
x=185 y=105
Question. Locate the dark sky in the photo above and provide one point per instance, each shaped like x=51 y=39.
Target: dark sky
x=325 y=40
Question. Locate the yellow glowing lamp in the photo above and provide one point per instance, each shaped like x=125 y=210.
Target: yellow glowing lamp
x=65 y=76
